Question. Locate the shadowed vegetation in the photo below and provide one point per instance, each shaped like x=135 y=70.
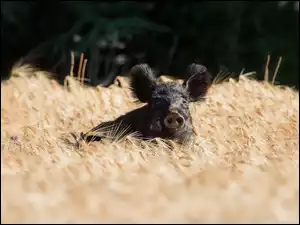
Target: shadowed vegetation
x=225 y=36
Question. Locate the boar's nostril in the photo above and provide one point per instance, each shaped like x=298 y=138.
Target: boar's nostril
x=174 y=121
x=179 y=120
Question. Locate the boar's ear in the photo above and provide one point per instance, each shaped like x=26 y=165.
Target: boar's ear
x=197 y=81
x=142 y=81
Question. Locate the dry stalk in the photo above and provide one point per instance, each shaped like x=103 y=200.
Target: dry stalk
x=83 y=70
x=267 y=69
x=80 y=66
x=72 y=64
x=276 y=70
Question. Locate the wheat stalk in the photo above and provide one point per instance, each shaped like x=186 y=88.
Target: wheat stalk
x=267 y=68
x=276 y=70
x=83 y=70
x=80 y=66
x=72 y=63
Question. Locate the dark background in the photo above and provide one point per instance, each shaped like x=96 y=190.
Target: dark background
x=226 y=36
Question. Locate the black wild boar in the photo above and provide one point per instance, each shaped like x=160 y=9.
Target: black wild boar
x=166 y=114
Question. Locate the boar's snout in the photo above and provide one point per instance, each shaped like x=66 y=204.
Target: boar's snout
x=174 y=120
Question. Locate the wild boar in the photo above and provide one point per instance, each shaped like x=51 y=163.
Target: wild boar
x=166 y=114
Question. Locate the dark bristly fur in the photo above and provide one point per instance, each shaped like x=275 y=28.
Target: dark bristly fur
x=161 y=99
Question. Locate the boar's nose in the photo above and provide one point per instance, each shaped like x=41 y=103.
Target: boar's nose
x=174 y=121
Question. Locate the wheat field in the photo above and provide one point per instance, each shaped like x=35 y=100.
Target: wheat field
x=243 y=166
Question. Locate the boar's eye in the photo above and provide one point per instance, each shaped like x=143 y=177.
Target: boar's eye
x=185 y=102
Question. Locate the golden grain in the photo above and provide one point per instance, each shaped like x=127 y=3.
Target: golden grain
x=243 y=166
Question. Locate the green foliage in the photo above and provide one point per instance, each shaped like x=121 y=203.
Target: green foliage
x=224 y=35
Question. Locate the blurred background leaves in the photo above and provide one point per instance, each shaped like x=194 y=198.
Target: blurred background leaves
x=225 y=36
